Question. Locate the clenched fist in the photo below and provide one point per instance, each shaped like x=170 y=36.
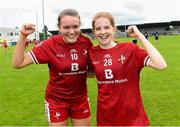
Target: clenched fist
x=27 y=29
x=133 y=31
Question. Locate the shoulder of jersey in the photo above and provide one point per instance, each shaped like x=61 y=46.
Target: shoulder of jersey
x=55 y=38
x=128 y=44
x=95 y=47
x=49 y=41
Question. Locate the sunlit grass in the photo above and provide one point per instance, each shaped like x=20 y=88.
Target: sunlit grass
x=22 y=91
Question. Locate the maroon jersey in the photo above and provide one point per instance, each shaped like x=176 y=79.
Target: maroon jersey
x=118 y=73
x=67 y=67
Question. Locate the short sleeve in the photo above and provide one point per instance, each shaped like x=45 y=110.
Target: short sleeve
x=39 y=54
x=142 y=58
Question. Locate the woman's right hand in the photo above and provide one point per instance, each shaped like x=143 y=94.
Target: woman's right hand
x=27 y=29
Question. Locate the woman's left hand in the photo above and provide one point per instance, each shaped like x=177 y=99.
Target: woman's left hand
x=133 y=31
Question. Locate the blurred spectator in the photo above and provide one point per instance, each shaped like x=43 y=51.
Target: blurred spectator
x=156 y=36
x=146 y=34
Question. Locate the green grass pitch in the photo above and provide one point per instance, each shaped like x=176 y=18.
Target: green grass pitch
x=22 y=91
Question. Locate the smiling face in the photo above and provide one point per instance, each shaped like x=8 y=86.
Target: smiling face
x=104 y=29
x=70 y=28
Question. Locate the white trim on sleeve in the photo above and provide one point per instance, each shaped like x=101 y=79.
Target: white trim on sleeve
x=33 y=57
x=146 y=61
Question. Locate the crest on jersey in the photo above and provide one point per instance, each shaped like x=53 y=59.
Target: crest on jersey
x=107 y=56
x=85 y=52
x=122 y=58
x=73 y=51
x=57 y=115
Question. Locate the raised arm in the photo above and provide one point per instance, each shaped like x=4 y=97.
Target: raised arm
x=156 y=60
x=20 y=59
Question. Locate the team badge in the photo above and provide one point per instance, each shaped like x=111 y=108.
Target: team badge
x=85 y=52
x=107 y=56
x=122 y=58
x=57 y=115
x=73 y=51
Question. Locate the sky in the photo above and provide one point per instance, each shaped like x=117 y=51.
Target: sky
x=13 y=13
